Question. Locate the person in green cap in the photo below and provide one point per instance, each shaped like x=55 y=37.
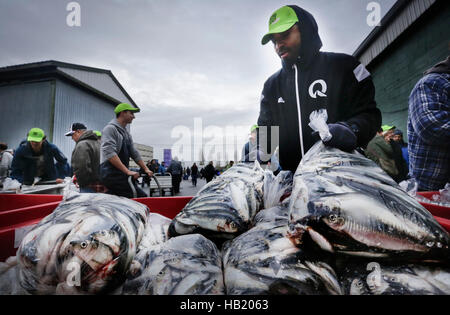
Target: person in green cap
x=35 y=157
x=310 y=80
x=116 y=150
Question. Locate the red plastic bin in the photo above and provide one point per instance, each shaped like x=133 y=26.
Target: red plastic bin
x=436 y=210
x=15 y=220
x=15 y=201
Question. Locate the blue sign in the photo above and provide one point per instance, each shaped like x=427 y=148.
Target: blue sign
x=167 y=156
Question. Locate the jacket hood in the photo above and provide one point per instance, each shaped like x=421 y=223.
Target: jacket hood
x=88 y=135
x=441 y=67
x=310 y=39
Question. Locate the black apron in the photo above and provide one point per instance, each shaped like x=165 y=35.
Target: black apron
x=115 y=180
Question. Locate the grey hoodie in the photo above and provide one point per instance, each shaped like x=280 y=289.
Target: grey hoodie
x=112 y=142
x=86 y=159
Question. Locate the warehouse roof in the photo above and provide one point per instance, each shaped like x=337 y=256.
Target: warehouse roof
x=399 y=18
x=98 y=81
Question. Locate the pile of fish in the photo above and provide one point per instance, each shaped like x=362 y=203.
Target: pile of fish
x=183 y=265
x=85 y=246
x=340 y=225
x=344 y=203
x=264 y=261
x=378 y=279
x=224 y=207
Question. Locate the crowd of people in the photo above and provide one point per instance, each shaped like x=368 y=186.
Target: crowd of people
x=309 y=79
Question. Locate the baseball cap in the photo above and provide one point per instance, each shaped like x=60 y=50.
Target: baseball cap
x=387 y=127
x=253 y=128
x=35 y=135
x=75 y=127
x=280 y=21
x=98 y=133
x=124 y=106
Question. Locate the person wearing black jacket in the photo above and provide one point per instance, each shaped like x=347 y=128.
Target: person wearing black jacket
x=210 y=172
x=310 y=80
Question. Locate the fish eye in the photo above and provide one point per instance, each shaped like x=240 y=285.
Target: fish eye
x=233 y=225
x=83 y=244
x=332 y=218
x=359 y=283
x=103 y=233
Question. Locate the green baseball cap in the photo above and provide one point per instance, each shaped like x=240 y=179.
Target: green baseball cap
x=280 y=21
x=98 y=133
x=36 y=135
x=124 y=106
x=387 y=127
x=253 y=128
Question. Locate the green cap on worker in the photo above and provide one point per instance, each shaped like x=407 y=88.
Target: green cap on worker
x=98 y=133
x=35 y=135
x=124 y=106
x=387 y=127
x=280 y=21
x=253 y=128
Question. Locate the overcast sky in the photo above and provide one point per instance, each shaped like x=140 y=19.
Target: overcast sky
x=177 y=59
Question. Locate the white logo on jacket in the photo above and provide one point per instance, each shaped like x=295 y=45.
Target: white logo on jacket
x=321 y=92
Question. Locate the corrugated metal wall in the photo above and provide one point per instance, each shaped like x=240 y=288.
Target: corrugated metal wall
x=100 y=81
x=25 y=106
x=399 y=69
x=409 y=15
x=75 y=105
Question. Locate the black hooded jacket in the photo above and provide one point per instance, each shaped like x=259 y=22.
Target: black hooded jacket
x=336 y=82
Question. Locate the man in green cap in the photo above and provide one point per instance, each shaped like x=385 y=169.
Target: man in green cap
x=310 y=80
x=34 y=158
x=116 y=150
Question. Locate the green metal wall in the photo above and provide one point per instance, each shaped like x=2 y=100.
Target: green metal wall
x=397 y=71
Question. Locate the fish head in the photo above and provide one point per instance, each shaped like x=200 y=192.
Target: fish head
x=324 y=223
x=92 y=252
x=359 y=287
x=110 y=238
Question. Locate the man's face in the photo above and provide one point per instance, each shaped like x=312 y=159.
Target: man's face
x=388 y=135
x=36 y=146
x=76 y=135
x=287 y=44
x=128 y=116
x=397 y=137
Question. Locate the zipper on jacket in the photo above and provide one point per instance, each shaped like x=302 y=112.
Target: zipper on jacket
x=300 y=127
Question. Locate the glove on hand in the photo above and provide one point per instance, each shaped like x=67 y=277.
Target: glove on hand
x=343 y=137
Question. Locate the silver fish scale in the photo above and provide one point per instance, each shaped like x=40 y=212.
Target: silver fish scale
x=349 y=205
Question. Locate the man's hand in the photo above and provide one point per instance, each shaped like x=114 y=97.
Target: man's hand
x=148 y=172
x=134 y=174
x=59 y=180
x=343 y=137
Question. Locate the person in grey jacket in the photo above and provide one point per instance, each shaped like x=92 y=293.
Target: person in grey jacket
x=115 y=152
x=86 y=158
